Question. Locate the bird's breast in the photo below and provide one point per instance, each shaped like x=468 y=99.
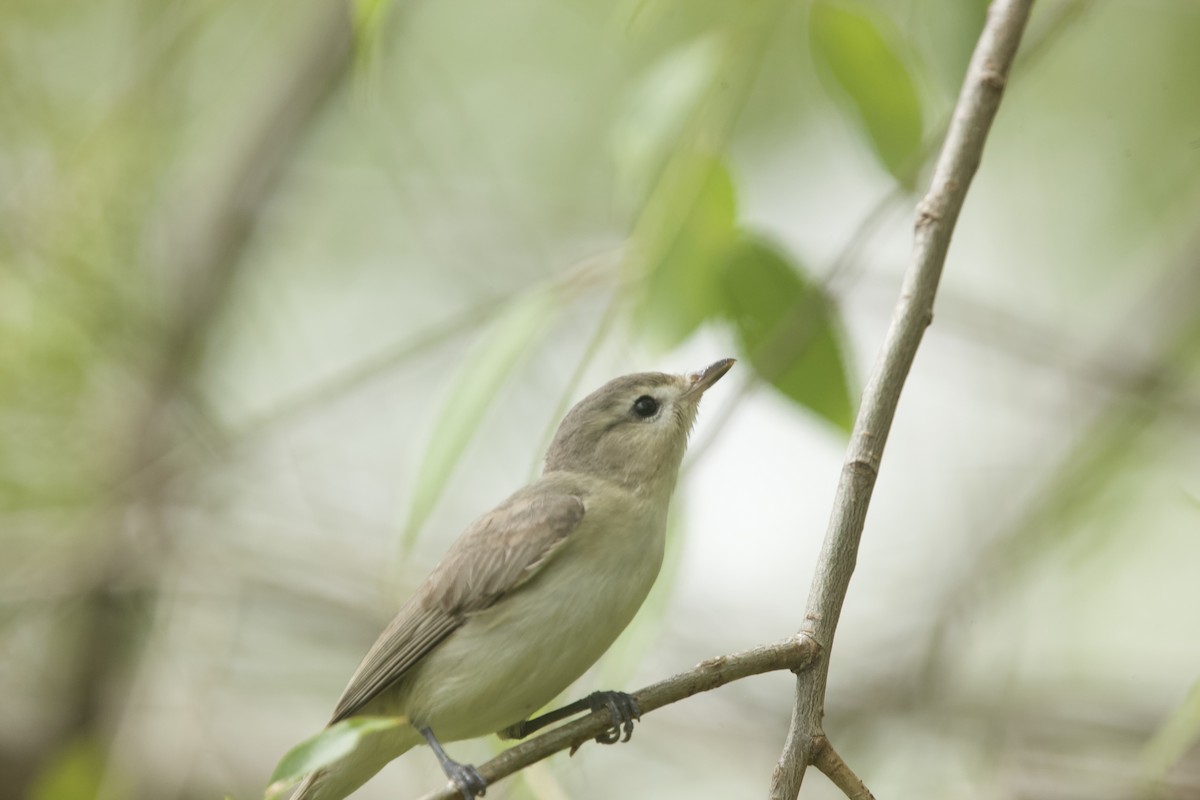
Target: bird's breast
x=514 y=657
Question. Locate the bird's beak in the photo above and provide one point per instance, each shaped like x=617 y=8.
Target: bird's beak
x=700 y=381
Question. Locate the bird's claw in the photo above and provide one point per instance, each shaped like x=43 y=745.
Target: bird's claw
x=624 y=710
x=467 y=780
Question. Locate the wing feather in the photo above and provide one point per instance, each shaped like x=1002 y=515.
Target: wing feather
x=497 y=553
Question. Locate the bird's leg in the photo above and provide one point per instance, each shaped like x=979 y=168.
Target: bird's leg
x=528 y=726
x=465 y=777
x=622 y=706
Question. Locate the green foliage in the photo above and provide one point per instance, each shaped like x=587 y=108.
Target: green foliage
x=369 y=15
x=484 y=371
x=682 y=289
x=74 y=773
x=331 y=744
x=709 y=271
x=788 y=330
x=658 y=110
x=855 y=55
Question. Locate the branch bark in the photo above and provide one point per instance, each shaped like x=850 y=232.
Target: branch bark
x=795 y=653
x=936 y=216
x=826 y=759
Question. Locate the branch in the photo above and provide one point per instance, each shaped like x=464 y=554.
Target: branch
x=796 y=654
x=936 y=216
x=826 y=759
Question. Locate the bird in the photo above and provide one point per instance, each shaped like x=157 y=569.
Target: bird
x=532 y=593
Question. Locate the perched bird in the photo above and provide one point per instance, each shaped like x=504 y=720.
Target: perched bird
x=533 y=592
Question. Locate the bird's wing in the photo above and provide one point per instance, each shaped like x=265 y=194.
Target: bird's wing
x=498 y=553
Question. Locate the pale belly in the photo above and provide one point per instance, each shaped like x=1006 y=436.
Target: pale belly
x=510 y=660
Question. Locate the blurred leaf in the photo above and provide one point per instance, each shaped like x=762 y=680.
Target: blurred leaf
x=946 y=34
x=853 y=51
x=73 y=773
x=788 y=330
x=369 y=14
x=470 y=394
x=682 y=288
x=658 y=110
x=1178 y=735
x=367 y=17
x=331 y=744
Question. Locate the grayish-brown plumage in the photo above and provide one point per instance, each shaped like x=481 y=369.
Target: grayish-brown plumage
x=534 y=591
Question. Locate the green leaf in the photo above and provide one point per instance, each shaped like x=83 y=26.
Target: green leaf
x=76 y=772
x=682 y=288
x=367 y=18
x=333 y=743
x=788 y=330
x=658 y=110
x=853 y=52
x=945 y=34
x=470 y=395
x=369 y=14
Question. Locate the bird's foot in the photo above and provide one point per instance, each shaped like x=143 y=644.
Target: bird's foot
x=624 y=710
x=466 y=779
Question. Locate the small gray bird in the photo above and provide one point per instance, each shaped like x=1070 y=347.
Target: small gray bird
x=533 y=592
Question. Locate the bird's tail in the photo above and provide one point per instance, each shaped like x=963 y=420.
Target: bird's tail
x=341 y=778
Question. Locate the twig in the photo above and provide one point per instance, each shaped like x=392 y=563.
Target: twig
x=826 y=759
x=796 y=654
x=936 y=216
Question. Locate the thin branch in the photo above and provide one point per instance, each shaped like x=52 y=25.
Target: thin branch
x=936 y=216
x=826 y=759
x=795 y=654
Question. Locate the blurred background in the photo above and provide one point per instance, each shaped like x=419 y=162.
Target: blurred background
x=291 y=291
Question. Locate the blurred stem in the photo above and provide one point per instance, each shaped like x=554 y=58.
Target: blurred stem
x=1115 y=368
x=1095 y=457
x=675 y=190
x=208 y=244
x=603 y=327
x=214 y=234
x=587 y=275
x=1170 y=744
x=938 y=212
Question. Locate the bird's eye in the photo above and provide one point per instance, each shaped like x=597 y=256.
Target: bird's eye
x=645 y=406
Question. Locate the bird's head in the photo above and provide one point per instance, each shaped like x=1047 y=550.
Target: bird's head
x=634 y=429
